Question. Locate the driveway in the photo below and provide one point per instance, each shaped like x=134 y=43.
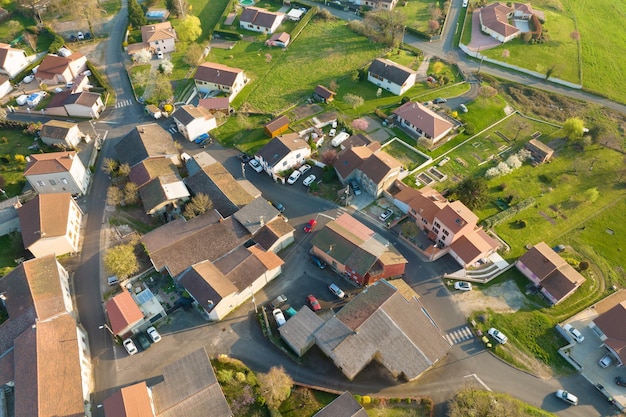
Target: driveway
x=480 y=41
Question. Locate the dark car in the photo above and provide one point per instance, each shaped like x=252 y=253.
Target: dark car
x=355 y=188
x=87 y=35
x=439 y=100
x=143 y=341
x=244 y=158
x=620 y=381
x=278 y=206
x=206 y=142
x=313 y=303
x=317 y=261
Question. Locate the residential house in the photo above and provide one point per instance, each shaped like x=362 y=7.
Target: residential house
x=42 y=342
x=57 y=172
x=160 y=36
x=343 y=406
x=193 y=121
x=498 y=20
x=50 y=224
x=609 y=326
x=130 y=401
x=55 y=69
x=260 y=20
x=277 y=126
x=12 y=60
x=283 y=153
x=221 y=286
x=378 y=4
x=5 y=86
x=76 y=104
x=281 y=40
x=551 y=274
x=9 y=219
x=357 y=252
x=124 y=314
x=385 y=322
x=215 y=104
x=255 y=215
x=217 y=77
x=395 y=78
x=370 y=166
x=146 y=141
x=61 y=134
x=160 y=186
x=299 y=331
x=539 y=151
x=323 y=94
x=422 y=121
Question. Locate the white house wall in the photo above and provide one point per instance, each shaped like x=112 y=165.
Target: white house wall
x=200 y=126
x=57 y=182
x=164 y=45
x=292 y=160
x=15 y=64
x=65 y=288
x=59 y=245
x=84 y=356
x=5 y=89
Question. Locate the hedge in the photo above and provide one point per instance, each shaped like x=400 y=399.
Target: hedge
x=100 y=79
x=228 y=34
x=303 y=22
x=498 y=218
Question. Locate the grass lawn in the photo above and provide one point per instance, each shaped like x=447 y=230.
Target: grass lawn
x=11 y=246
x=305 y=402
x=139 y=75
x=417 y=13
x=209 y=13
x=12 y=170
x=408 y=158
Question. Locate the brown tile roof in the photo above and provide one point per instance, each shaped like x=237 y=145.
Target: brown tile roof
x=149 y=169
x=122 y=312
x=541 y=260
x=188 y=113
x=271 y=232
x=283 y=37
x=324 y=92
x=52 y=65
x=46 y=163
x=136 y=47
x=495 y=17
x=280 y=146
x=130 y=401
x=157 y=32
x=351 y=159
x=45 y=216
x=472 y=245
x=7 y=367
x=379 y=165
x=256 y=214
x=562 y=282
x=26 y=387
x=389 y=70
x=269 y=259
x=206 y=284
x=217 y=74
x=259 y=17
x=343 y=406
x=215 y=103
x=611 y=323
x=55 y=129
x=84 y=98
x=356 y=140
x=277 y=123
x=423 y=118
x=455 y=216
x=58 y=100
x=145 y=141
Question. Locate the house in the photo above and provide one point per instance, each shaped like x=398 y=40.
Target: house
x=124 y=315
x=260 y=20
x=160 y=36
x=76 y=104
x=277 y=126
x=299 y=331
x=395 y=78
x=283 y=153
x=55 y=69
x=221 y=286
x=539 y=151
x=323 y=94
x=378 y=4
x=357 y=252
x=42 y=342
x=50 y=224
x=281 y=40
x=609 y=326
x=164 y=194
x=57 y=172
x=499 y=20
x=422 y=121
x=370 y=166
x=551 y=274
x=9 y=219
x=12 y=60
x=193 y=121
x=217 y=77
x=61 y=134
x=215 y=104
x=343 y=406
x=385 y=322
x=254 y=215
x=146 y=141
x=5 y=86
x=130 y=401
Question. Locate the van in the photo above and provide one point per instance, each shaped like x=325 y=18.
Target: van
x=338 y=140
x=21 y=100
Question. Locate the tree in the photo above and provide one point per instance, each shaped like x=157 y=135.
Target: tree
x=199 y=204
x=166 y=67
x=109 y=166
x=486 y=91
x=123 y=170
x=353 y=100
x=329 y=157
x=142 y=57
x=114 y=196
x=194 y=54
x=575 y=35
x=435 y=12
x=136 y=16
x=385 y=26
x=131 y=193
x=591 y=194
x=275 y=386
x=473 y=192
x=433 y=26
x=180 y=8
x=189 y=29
x=360 y=124
x=90 y=10
x=161 y=90
x=438 y=67
x=121 y=260
x=573 y=128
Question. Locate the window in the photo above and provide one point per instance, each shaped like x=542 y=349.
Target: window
x=53 y=182
x=298 y=156
x=41 y=183
x=445 y=232
x=284 y=163
x=64 y=181
x=437 y=224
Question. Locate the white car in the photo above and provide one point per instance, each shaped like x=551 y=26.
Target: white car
x=80 y=36
x=463 y=286
x=385 y=215
x=605 y=361
x=308 y=180
x=256 y=165
x=568 y=397
x=336 y=290
x=21 y=100
x=279 y=317
x=154 y=334
x=574 y=332
x=332 y=132
x=130 y=347
x=304 y=168
x=28 y=79
x=294 y=177
x=498 y=335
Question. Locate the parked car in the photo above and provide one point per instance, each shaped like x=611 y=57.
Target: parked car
x=130 y=347
x=386 y=215
x=355 y=187
x=463 y=286
x=574 y=332
x=29 y=79
x=568 y=397
x=606 y=361
x=256 y=165
x=318 y=262
x=113 y=280
x=620 y=381
x=463 y=108
x=498 y=335
x=80 y=36
x=294 y=177
x=439 y=100
x=313 y=303
x=304 y=168
x=308 y=180
x=159 y=55
x=334 y=288
x=279 y=317
x=244 y=158
x=143 y=341
x=332 y=133
x=21 y=100
x=278 y=301
x=154 y=334
x=201 y=138
x=308 y=228
x=277 y=206
x=87 y=35
x=289 y=311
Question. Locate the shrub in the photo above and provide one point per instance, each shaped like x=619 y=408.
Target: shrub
x=366 y=399
x=583 y=265
x=240 y=376
x=503 y=186
x=508 y=213
x=407 y=400
x=357 y=398
x=225 y=376
x=521 y=223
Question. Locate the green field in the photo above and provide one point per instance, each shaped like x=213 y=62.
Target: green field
x=417 y=13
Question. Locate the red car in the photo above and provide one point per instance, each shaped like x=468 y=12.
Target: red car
x=313 y=303
x=310 y=226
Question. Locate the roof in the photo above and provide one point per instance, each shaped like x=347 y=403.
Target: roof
x=389 y=70
x=145 y=141
x=47 y=163
x=426 y=202
x=269 y=234
x=130 y=401
x=8 y=209
x=259 y=17
x=56 y=129
x=190 y=388
x=122 y=312
x=299 y=331
x=423 y=118
x=379 y=165
x=277 y=123
x=217 y=74
x=372 y=161
x=54 y=64
x=472 y=245
x=282 y=37
x=83 y=98
x=256 y=214
x=611 y=324
x=356 y=140
x=215 y=103
x=58 y=100
x=162 y=190
x=324 y=92
x=188 y=113
x=343 y=406
x=157 y=31
x=45 y=216
x=280 y=146
x=206 y=284
x=542 y=260
x=456 y=216
x=539 y=147
x=149 y=169
x=6 y=52
x=495 y=17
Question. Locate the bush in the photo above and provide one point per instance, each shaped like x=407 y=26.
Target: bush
x=366 y=399
x=357 y=398
x=503 y=186
x=508 y=213
x=583 y=265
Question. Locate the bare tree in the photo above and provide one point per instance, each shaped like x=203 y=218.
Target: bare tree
x=275 y=386
x=109 y=166
x=199 y=204
x=114 y=196
x=194 y=54
x=385 y=26
x=329 y=156
x=123 y=170
x=131 y=193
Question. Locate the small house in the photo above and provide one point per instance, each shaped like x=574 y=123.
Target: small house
x=60 y=133
x=279 y=39
x=393 y=77
x=539 y=151
x=277 y=126
x=12 y=60
x=260 y=20
x=323 y=94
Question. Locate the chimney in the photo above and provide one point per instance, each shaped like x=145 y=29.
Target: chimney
x=143 y=130
x=262 y=221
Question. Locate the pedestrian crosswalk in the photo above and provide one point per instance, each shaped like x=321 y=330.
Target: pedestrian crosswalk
x=459 y=335
x=123 y=103
x=172 y=129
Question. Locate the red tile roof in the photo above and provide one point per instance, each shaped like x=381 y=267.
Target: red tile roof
x=46 y=163
x=131 y=401
x=123 y=312
x=423 y=118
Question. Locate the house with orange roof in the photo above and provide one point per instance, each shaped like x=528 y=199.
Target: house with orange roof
x=57 y=172
x=40 y=341
x=50 y=224
x=12 y=60
x=260 y=20
x=499 y=20
x=609 y=326
x=549 y=273
x=130 y=401
x=161 y=37
x=211 y=76
x=422 y=121
x=124 y=315
x=55 y=69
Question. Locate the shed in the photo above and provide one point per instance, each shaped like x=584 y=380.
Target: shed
x=277 y=126
x=324 y=94
x=539 y=150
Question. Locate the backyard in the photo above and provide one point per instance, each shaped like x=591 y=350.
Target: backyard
x=13 y=149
